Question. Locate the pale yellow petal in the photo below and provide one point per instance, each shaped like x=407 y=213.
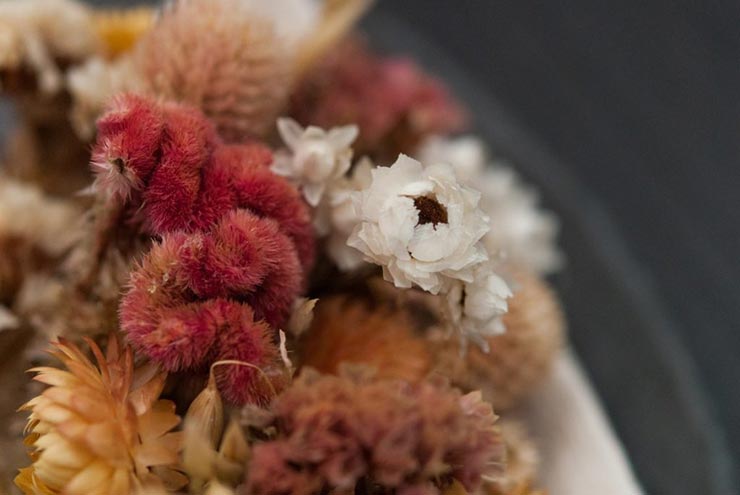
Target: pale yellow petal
x=95 y=479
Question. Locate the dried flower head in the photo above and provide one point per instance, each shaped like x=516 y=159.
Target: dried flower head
x=423 y=227
x=166 y=163
x=420 y=225
x=120 y=30
x=99 y=428
x=25 y=212
x=221 y=58
x=341 y=216
x=522 y=233
x=237 y=242
x=315 y=157
x=92 y=84
x=522 y=460
x=521 y=230
x=348 y=331
x=35 y=230
x=412 y=436
x=476 y=308
x=394 y=104
x=206 y=412
x=209 y=461
x=519 y=358
x=201 y=298
x=36 y=38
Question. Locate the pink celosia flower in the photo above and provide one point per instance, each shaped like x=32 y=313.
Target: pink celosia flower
x=167 y=164
x=335 y=431
x=181 y=309
x=391 y=100
x=236 y=242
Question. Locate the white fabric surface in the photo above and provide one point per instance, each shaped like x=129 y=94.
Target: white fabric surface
x=580 y=453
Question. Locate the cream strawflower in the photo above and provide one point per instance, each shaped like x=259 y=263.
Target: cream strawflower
x=421 y=225
x=316 y=157
x=521 y=231
x=99 y=428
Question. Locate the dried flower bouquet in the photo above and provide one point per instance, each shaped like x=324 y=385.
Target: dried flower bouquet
x=287 y=272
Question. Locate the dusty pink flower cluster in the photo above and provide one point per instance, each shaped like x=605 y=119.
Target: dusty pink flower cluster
x=236 y=242
x=391 y=100
x=336 y=431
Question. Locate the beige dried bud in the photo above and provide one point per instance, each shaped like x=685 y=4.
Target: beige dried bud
x=207 y=463
x=198 y=456
x=302 y=316
x=206 y=413
x=233 y=454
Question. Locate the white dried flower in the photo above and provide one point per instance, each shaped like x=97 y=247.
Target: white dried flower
x=316 y=157
x=466 y=154
x=92 y=85
x=344 y=217
x=521 y=231
x=25 y=212
x=476 y=308
x=37 y=34
x=421 y=225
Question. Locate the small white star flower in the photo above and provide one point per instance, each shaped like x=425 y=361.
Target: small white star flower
x=316 y=157
x=475 y=308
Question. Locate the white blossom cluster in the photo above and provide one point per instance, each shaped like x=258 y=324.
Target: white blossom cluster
x=443 y=224
x=425 y=228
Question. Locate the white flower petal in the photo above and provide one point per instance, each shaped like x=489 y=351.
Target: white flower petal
x=313 y=193
x=343 y=137
x=290 y=131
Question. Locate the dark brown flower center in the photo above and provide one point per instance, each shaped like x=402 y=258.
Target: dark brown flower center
x=119 y=164
x=430 y=211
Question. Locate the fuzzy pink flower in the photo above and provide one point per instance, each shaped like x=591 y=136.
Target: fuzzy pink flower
x=166 y=163
x=216 y=295
x=236 y=243
x=391 y=100
x=336 y=431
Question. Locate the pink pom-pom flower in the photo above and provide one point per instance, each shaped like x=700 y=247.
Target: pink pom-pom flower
x=236 y=242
